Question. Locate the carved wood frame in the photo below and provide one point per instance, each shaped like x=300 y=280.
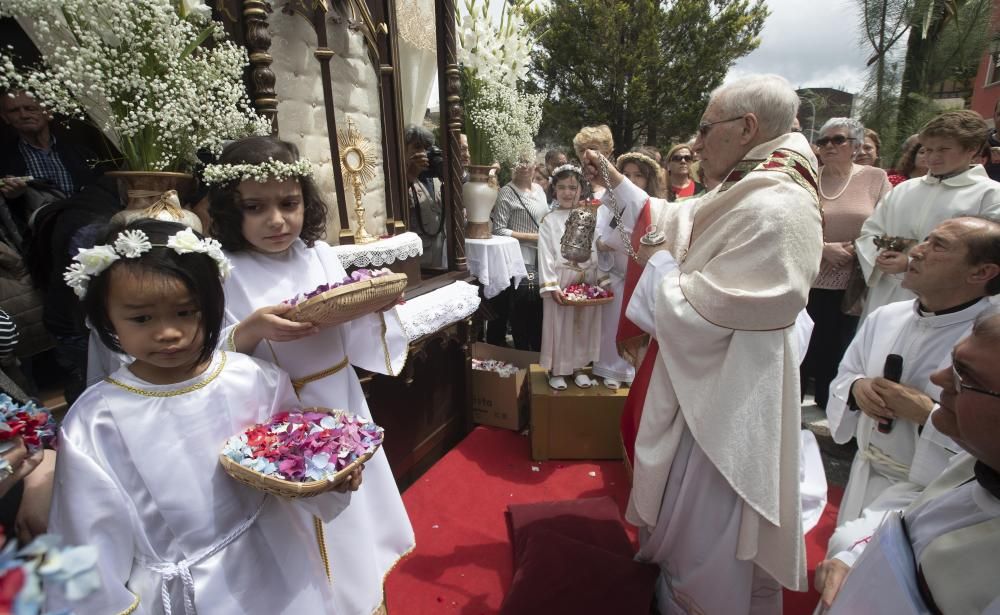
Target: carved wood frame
x=246 y=22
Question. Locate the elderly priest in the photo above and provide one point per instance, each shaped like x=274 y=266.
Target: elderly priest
x=716 y=463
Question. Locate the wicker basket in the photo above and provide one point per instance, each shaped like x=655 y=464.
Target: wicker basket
x=588 y=302
x=287 y=488
x=345 y=303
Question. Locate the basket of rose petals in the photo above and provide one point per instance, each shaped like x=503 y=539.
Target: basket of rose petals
x=362 y=292
x=583 y=294
x=301 y=453
x=34 y=425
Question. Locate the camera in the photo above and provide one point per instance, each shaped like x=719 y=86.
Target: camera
x=435 y=159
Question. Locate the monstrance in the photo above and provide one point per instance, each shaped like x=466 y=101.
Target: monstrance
x=357 y=159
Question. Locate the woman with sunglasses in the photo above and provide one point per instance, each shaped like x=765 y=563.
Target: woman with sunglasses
x=848 y=193
x=680 y=184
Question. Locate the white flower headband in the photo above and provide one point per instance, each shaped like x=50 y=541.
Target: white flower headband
x=133 y=244
x=270 y=169
x=563 y=168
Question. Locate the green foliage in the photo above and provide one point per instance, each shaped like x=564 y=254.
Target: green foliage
x=643 y=67
x=946 y=41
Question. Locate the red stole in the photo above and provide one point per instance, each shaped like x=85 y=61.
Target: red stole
x=628 y=331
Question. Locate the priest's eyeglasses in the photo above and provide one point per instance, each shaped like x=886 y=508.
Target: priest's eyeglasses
x=704 y=127
x=959 y=385
x=837 y=140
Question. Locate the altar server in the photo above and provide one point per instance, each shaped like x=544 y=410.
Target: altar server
x=269 y=217
x=952 y=273
x=952 y=187
x=716 y=473
x=138 y=473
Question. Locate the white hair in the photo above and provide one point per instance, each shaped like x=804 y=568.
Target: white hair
x=854 y=128
x=769 y=97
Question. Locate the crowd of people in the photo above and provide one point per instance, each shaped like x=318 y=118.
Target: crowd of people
x=722 y=254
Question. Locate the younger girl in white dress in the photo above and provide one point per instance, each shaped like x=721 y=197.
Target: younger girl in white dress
x=138 y=472
x=571 y=335
x=269 y=217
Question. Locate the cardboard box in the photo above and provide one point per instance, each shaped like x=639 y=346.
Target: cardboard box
x=496 y=401
x=575 y=423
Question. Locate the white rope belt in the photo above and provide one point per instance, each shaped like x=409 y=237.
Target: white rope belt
x=182 y=569
x=875 y=456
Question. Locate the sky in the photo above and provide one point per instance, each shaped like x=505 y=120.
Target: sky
x=812 y=43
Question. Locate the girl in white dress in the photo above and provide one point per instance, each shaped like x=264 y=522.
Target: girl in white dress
x=269 y=220
x=138 y=472
x=571 y=335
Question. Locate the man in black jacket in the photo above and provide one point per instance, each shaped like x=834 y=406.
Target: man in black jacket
x=59 y=168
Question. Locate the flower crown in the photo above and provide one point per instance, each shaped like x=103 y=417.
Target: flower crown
x=269 y=169
x=638 y=158
x=564 y=168
x=133 y=244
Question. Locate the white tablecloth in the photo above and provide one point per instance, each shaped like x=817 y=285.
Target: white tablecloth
x=380 y=253
x=494 y=262
x=437 y=309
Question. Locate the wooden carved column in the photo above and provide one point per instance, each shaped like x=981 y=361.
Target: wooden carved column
x=450 y=87
x=258 y=43
x=393 y=160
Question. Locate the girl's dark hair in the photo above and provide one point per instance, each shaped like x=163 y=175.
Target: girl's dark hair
x=198 y=272
x=224 y=200
x=908 y=155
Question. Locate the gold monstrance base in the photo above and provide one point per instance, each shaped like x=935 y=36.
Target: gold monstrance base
x=357 y=159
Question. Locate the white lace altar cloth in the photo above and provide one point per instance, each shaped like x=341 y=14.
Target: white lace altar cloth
x=438 y=309
x=380 y=253
x=494 y=262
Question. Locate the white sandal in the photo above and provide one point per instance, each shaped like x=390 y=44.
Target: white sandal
x=558 y=383
x=612 y=384
x=583 y=381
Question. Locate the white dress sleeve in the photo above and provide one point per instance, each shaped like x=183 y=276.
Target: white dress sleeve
x=548 y=255
x=89 y=507
x=388 y=355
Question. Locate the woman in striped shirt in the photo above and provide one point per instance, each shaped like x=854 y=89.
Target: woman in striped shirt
x=519 y=209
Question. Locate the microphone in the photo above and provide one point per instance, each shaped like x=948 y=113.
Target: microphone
x=892 y=371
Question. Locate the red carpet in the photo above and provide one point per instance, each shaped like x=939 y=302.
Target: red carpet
x=462 y=563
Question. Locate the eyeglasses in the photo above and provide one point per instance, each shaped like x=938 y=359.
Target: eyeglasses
x=687 y=158
x=959 y=385
x=837 y=140
x=704 y=127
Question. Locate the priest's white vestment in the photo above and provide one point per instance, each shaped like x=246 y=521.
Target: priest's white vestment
x=571 y=336
x=374 y=532
x=954 y=534
x=138 y=477
x=911 y=210
x=716 y=474
x=925 y=341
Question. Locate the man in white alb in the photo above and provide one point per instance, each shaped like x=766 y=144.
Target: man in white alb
x=716 y=465
x=952 y=187
x=952 y=273
x=942 y=555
